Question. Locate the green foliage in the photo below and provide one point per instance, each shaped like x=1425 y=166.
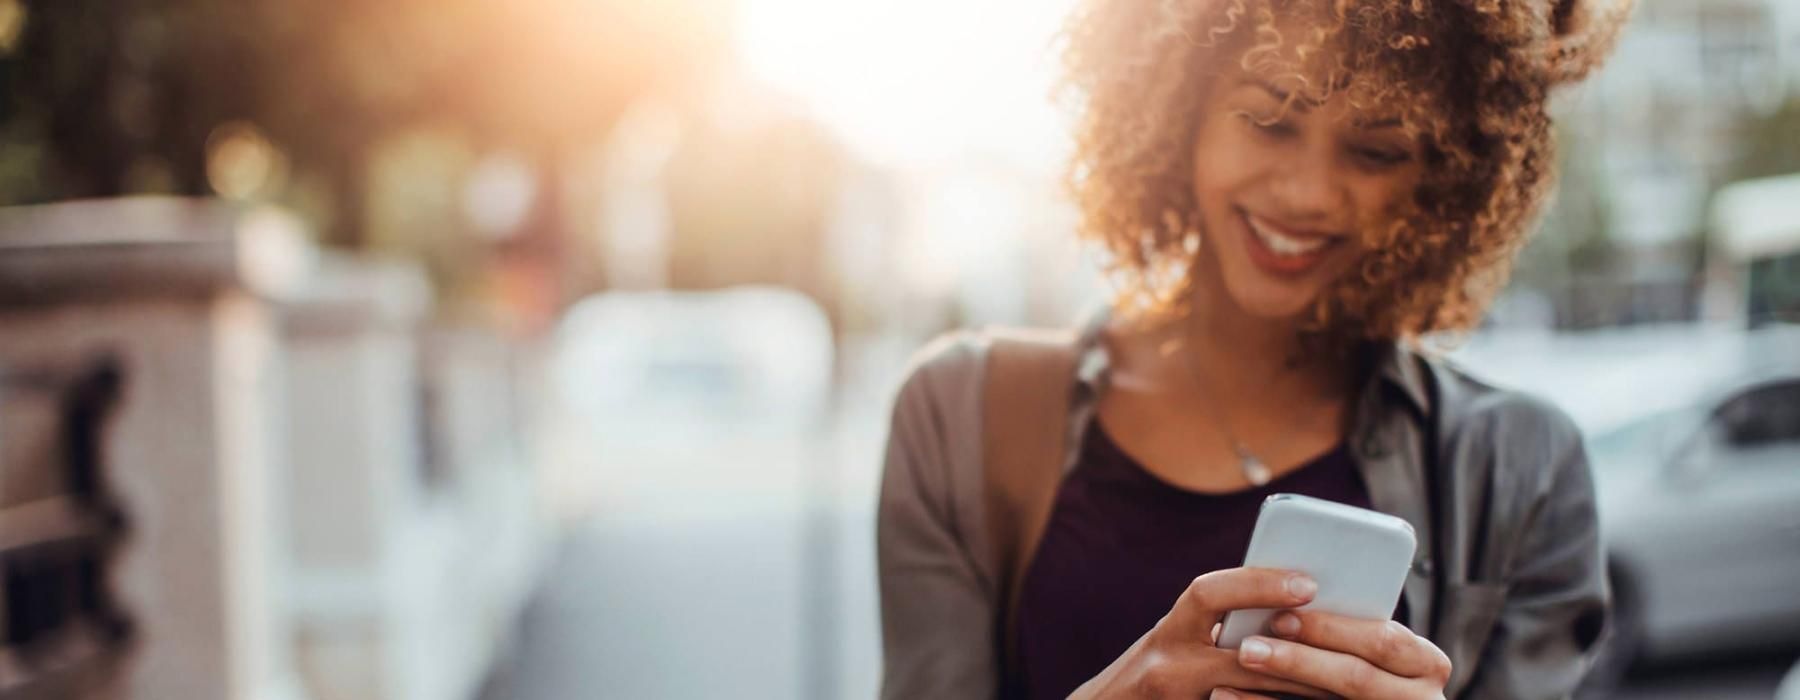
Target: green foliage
x=1770 y=143
x=1576 y=237
x=103 y=97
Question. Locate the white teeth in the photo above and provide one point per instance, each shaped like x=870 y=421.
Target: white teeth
x=1282 y=244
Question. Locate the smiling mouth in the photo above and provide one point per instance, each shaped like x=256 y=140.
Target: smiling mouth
x=1283 y=251
x=1284 y=241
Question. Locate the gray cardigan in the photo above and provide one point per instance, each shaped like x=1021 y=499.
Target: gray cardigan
x=1509 y=577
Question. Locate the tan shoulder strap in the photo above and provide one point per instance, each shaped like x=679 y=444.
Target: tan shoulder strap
x=1025 y=402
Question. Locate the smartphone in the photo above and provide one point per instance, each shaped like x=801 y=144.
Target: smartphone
x=1358 y=557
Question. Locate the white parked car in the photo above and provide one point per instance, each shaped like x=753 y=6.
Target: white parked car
x=1790 y=685
x=1694 y=434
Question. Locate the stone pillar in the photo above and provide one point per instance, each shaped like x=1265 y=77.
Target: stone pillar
x=356 y=486
x=172 y=293
x=479 y=386
x=415 y=526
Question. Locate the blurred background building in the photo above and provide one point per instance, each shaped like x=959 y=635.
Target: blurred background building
x=477 y=349
x=1700 y=94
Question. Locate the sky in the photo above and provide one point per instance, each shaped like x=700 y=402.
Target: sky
x=909 y=82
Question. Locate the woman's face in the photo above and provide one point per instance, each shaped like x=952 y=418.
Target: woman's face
x=1283 y=196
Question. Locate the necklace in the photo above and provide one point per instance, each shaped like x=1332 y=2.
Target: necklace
x=1255 y=470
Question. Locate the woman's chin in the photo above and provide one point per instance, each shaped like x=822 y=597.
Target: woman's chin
x=1272 y=302
x=1275 y=310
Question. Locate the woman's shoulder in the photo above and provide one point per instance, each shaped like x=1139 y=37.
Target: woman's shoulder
x=944 y=368
x=933 y=455
x=1472 y=401
x=952 y=366
x=937 y=408
x=1512 y=430
x=1461 y=402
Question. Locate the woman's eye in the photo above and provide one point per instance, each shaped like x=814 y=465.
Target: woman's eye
x=1381 y=157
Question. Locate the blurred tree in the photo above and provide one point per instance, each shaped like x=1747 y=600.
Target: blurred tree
x=111 y=97
x=104 y=98
x=1768 y=144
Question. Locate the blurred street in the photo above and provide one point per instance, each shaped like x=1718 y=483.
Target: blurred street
x=751 y=600
x=453 y=349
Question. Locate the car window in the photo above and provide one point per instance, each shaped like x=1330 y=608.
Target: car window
x=1764 y=416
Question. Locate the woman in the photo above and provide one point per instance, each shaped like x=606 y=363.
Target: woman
x=1292 y=193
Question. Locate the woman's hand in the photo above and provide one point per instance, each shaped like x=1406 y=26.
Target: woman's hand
x=1177 y=657
x=1348 y=657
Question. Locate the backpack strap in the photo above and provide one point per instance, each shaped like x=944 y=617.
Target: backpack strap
x=1025 y=402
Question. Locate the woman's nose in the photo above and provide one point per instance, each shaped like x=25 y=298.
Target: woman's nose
x=1309 y=189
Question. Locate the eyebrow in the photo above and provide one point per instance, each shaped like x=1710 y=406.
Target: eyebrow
x=1303 y=105
x=1386 y=123
x=1279 y=94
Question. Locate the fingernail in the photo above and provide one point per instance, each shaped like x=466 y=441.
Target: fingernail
x=1302 y=587
x=1286 y=624
x=1255 y=650
x=1224 y=694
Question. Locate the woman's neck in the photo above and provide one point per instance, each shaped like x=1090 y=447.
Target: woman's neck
x=1252 y=361
x=1182 y=392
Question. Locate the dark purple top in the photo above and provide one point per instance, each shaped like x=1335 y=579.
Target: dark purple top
x=1122 y=544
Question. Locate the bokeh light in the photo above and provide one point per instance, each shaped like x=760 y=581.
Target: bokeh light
x=498 y=194
x=240 y=161
x=12 y=23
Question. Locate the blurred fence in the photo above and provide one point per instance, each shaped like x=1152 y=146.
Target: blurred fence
x=232 y=469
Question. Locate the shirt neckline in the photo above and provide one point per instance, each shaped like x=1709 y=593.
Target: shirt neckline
x=1103 y=443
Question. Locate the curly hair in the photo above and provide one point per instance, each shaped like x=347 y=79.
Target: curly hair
x=1470 y=79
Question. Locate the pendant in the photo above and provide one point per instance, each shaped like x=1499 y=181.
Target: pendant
x=1254 y=470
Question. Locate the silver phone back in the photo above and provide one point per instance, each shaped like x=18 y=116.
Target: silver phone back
x=1359 y=558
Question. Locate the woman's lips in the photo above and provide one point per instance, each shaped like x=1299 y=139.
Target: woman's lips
x=1279 y=250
